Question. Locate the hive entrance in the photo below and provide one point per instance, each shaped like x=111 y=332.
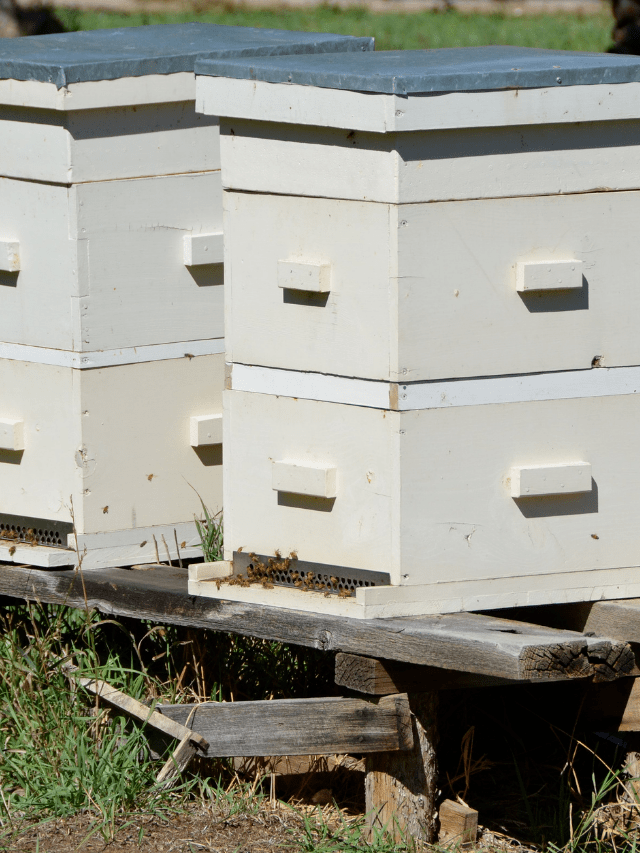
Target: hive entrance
x=34 y=531
x=299 y=574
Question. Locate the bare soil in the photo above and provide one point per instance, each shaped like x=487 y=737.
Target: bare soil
x=193 y=830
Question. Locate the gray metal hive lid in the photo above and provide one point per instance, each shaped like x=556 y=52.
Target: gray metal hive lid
x=443 y=70
x=163 y=49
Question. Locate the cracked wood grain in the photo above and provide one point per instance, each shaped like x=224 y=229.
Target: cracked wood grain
x=465 y=642
x=298 y=726
x=401 y=788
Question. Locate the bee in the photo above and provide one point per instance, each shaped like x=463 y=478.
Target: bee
x=105 y=510
x=344 y=593
x=150 y=477
x=12 y=550
x=142 y=544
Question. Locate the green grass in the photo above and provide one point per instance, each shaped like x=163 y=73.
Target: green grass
x=391 y=31
x=210 y=530
x=63 y=752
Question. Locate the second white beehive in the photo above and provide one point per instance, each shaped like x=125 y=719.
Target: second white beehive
x=432 y=379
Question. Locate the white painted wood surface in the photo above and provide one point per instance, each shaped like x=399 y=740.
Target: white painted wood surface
x=114 y=440
x=432 y=165
x=203 y=249
x=98 y=94
x=537 y=480
x=309 y=105
x=490 y=594
x=205 y=430
x=354 y=530
x=102 y=264
x=385 y=602
x=101 y=145
x=311 y=277
x=110 y=357
x=11 y=434
x=210 y=571
x=134 y=547
x=137 y=291
x=549 y=275
x=524 y=388
x=285 y=597
x=318 y=481
x=9 y=256
x=427 y=494
x=428 y=291
x=118 y=548
x=35 y=555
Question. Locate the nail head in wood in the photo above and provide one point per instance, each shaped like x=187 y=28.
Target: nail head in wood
x=200 y=249
x=205 y=430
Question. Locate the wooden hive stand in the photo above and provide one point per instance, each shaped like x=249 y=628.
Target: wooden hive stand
x=393 y=669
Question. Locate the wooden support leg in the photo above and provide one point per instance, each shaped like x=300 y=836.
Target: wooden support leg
x=401 y=787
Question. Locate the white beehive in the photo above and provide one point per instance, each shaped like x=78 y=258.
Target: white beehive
x=111 y=298
x=433 y=358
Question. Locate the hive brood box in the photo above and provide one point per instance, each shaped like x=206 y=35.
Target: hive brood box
x=111 y=302
x=433 y=366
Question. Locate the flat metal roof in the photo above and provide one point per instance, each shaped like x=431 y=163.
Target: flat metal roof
x=162 y=49
x=405 y=72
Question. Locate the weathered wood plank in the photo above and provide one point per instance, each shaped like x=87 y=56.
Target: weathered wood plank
x=177 y=762
x=136 y=709
x=466 y=642
x=619 y=619
x=458 y=825
x=615 y=618
x=298 y=726
x=401 y=788
x=383 y=677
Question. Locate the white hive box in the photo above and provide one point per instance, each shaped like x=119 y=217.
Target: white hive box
x=111 y=298
x=432 y=389
x=110 y=185
x=475 y=190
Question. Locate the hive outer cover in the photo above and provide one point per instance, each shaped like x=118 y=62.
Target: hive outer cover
x=64 y=58
x=406 y=72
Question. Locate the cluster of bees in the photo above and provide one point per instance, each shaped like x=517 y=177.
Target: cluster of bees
x=29 y=537
x=266 y=575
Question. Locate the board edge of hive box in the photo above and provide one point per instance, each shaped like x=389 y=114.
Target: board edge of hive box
x=382 y=602
x=78 y=93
